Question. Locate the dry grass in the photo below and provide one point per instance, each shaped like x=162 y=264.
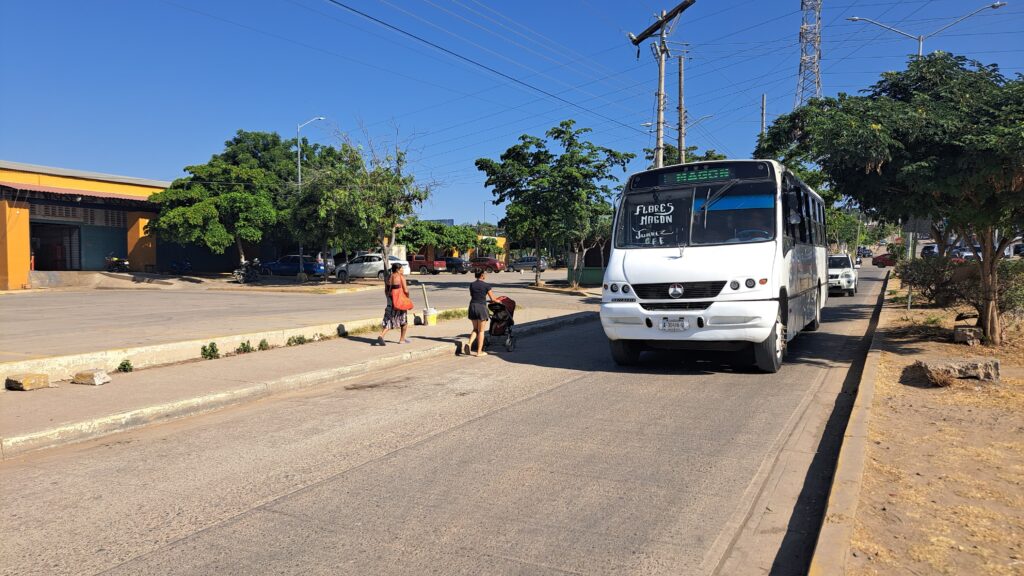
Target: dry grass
x=943 y=488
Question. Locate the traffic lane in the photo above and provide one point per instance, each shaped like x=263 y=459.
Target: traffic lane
x=528 y=457
x=609 y=472
x=69 y=322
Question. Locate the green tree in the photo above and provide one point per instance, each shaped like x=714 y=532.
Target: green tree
x=671 y=155
x=843 y=228
x=229 y=200
x=550 y=193
x=489 y=247
x=417 y=234
x=457 y=238
x=941 y=140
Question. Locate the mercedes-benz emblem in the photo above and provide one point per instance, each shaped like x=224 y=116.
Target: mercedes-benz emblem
x=675 y=290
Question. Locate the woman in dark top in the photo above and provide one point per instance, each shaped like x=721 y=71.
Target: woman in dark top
x=479 y=294
x=393 y=317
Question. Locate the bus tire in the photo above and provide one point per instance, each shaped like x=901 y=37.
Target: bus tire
x=768 y=354
x=813 y=325
x=625 y=352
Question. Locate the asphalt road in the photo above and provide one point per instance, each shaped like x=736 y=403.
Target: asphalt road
x=62 y=322
x=547 y=460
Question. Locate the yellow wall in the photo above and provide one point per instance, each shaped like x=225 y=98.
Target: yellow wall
x=84 y=184
x=14 y=245
x=141 y=248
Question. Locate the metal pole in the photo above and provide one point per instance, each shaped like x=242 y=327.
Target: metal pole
x=764 y=102
x=659 y=149
x=920 y=46
x=298 y=169
x=682 y=114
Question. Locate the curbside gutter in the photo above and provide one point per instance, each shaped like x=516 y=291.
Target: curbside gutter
x=133 y=419
x=582 y=293
x=833 y=545
x=64 y=367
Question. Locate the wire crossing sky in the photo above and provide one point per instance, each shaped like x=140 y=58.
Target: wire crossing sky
x=146 y=87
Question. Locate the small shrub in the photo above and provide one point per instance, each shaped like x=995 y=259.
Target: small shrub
x=125 y=366
x=318 y=337
x=933 y=278
x=932 y=321
x=453 y=314
x=244 y=348
x=263 y=345
x=210 y=351
x=296 y=340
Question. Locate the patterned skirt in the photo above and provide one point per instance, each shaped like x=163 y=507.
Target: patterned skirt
x=394 y=318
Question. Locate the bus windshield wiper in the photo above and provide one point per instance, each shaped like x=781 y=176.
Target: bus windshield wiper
x=715 y=197
x=718 y=194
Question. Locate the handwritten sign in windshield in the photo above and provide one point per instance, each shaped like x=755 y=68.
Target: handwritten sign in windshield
x=654 y=223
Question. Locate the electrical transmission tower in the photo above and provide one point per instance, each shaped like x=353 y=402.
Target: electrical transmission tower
x=808 y=82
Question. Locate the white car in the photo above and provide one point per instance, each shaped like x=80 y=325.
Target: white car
x=368 y=266
x=842 y=274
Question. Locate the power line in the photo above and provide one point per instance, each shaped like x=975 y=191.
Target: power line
x=478 y=64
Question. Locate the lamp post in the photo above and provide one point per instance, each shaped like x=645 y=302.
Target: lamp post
x=298 y=164
x=921 y=38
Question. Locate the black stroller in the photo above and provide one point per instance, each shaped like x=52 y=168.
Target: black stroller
x=502 y=312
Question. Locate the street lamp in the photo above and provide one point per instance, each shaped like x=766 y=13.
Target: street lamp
x=298 y=164
x=921 y=38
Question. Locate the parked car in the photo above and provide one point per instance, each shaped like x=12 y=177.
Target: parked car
x=456 y=265
x=842 y=274
x=420 y=264
x=289 y=266
x=929 y=251
x=531 y=263
x=367 y=266
x=487 y=264
x=883 y=260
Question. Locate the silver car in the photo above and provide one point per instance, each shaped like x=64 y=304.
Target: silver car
x=531 y=263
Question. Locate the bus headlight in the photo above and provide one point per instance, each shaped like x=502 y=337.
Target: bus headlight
x=625 y=288
x=614 y=287
x=749 y=283
x=734 y=285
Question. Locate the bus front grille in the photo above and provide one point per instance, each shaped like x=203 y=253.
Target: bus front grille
x=690 y=290
x=671 y=306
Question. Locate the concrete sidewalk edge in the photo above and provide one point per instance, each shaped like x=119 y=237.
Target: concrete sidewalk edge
x=64 y=367
x=833 y=545
x=75 y=432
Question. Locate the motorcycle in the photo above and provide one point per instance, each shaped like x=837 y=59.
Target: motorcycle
x=115 y=264
x=249 y=272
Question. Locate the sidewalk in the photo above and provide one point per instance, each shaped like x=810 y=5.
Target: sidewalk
x=73 y=413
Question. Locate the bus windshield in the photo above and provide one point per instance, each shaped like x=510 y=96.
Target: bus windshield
x=744 y=213
x=732 y=212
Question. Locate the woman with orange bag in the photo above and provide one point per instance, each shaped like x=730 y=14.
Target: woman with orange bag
x=397 y=292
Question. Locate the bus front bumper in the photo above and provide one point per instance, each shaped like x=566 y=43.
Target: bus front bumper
x=744 y=321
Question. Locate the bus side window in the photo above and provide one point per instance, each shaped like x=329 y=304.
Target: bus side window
x=787 y=207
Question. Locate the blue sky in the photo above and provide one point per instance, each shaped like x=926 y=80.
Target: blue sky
x=146 y=87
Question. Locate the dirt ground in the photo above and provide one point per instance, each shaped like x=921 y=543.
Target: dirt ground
x=943 y=488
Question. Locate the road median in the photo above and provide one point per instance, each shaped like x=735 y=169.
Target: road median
x=73 y=413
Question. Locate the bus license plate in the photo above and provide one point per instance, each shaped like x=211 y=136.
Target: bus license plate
x=674 y=325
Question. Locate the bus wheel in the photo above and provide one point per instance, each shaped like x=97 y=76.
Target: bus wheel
x=813 y=325
x=768 y=354
x=625 y=352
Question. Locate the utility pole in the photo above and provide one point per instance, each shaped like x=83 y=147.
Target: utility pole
x=661 y=52
x=764 y=102
x=682 y=113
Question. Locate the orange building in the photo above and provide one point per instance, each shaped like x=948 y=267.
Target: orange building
x=59 y=219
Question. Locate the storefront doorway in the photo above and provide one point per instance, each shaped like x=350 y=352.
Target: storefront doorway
x=56 y=246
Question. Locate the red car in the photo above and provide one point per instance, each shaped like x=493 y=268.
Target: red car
x=487 y=264
x=884 y=260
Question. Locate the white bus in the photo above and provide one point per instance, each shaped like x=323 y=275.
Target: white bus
x=723 y=255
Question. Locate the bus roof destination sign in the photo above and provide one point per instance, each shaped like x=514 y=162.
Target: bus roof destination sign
x=681 y=175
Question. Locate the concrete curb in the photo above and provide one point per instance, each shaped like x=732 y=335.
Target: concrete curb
x=64 y=367
x=559 y=291
x=833 y=545
x=133 y=419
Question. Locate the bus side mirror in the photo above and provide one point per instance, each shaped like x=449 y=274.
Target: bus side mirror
x=793 y=219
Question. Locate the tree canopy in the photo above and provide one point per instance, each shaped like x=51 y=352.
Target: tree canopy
x=943 y=140
x=552 y=193
x=671 y=155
